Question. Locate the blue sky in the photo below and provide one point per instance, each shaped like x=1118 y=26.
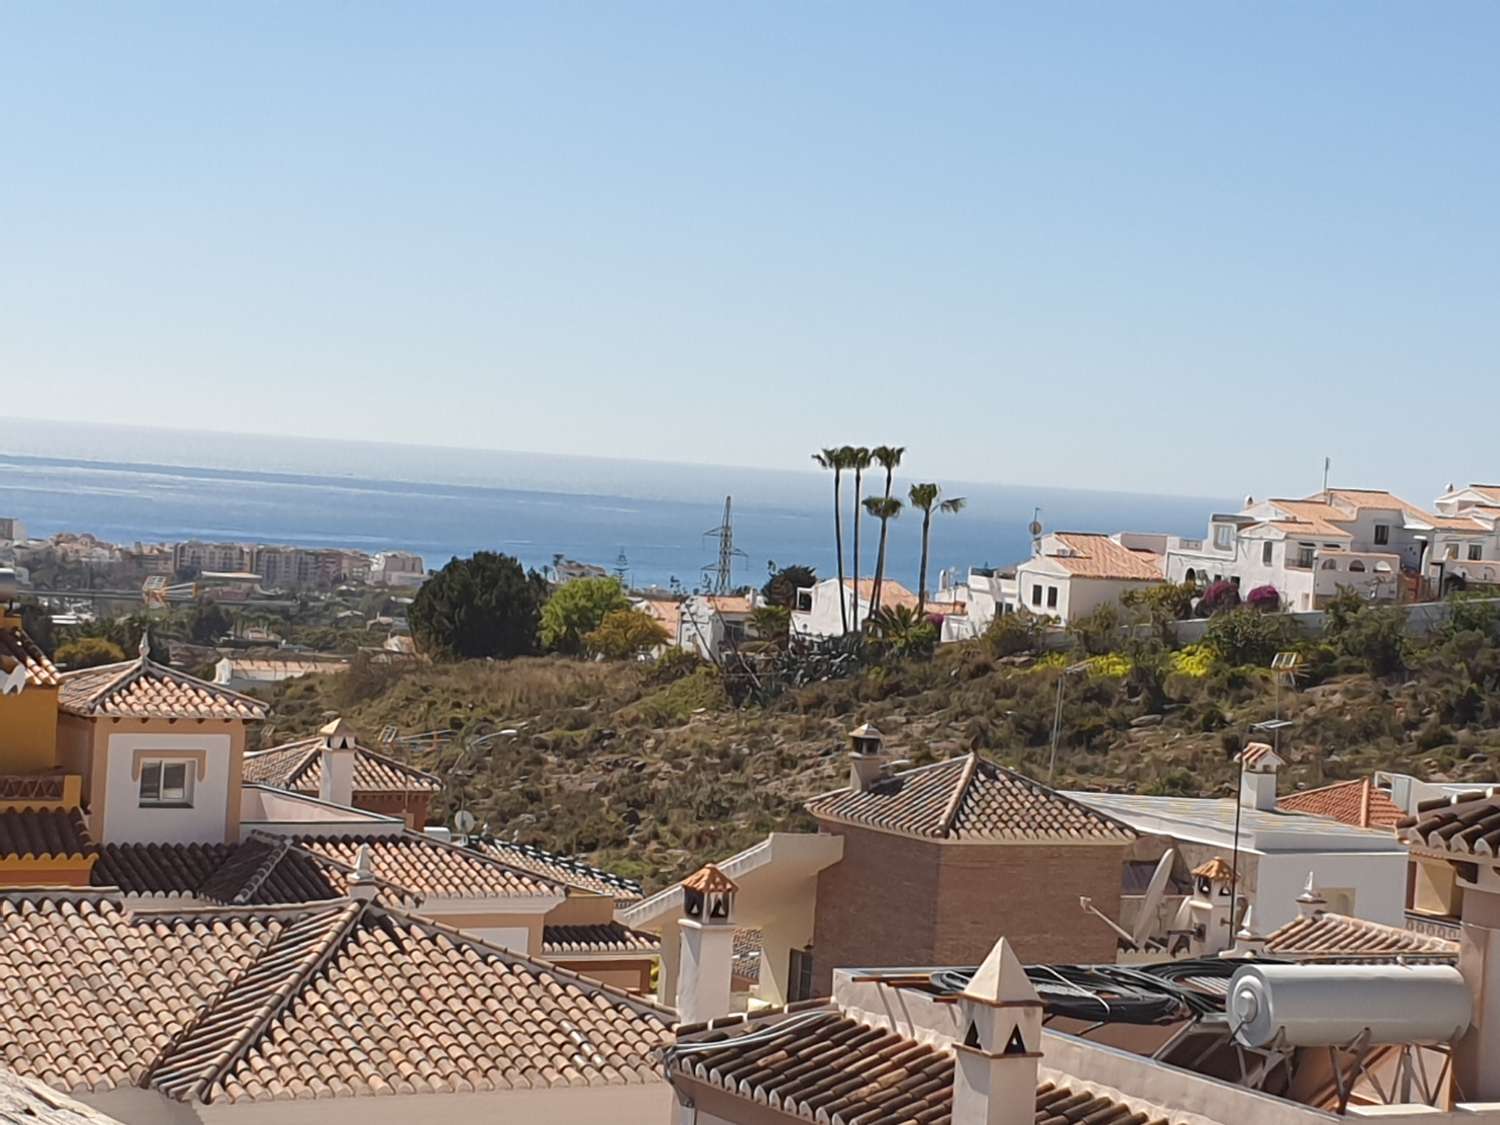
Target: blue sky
x=1168 y=247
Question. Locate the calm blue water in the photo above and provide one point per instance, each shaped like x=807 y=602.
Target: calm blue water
x=127 y=484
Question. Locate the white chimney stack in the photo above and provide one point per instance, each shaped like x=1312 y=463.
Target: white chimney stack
x=866 y=757
x=337 y=782
x=707 y=925
x=1258 y=766
x=1311 y=901
x=995 y=1064
x=362 y=884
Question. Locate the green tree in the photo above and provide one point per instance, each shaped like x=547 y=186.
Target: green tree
x=624 y=633
x=207 y=622
x=885 y=509
x=781 y=588
x=487 y=605
x=89 y=652
x=888 y=457
x=833 y=460
x=928 y=497
x=576 y=609
x=1161 y=605
x=902 y=631
x=772 y=623
x=1243 y=636
x=858 y=460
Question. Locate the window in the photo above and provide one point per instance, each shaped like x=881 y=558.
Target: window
x=1305 y=555
x=1330 y=564
x=1356 y=567
x=1450 y=551
x=800 y=975
x=1051 y=597
x=1382 y=534
x=1265 y=554
x=1234 y=580
x=1036 y=593
x=1476 y=552
x=1223 y=536
x=166 y=784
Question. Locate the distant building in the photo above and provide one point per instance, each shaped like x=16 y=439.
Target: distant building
x=12 y=530
x=194 y=555
x=397 y=568
x=816 y=613
x=1073 y=573
x=1366 y=540
x=240 y=673
x=570 y=570
x=711 y=624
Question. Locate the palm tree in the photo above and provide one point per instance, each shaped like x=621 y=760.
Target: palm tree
x=833 y=459
x=859 y=461
x=888 y=456
x=926 y=497
x=885 y=509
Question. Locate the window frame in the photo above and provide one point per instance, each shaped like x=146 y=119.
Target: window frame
x=1476 y=552
x=1051 y=597
x=1382 y=534
x=1267 y=552
x=154 y=774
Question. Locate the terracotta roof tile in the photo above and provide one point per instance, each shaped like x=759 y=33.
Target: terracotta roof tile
x=143 y=689
x=298 y=766
x=1468 y=824
x=1326 y=936
x=17 y=648
x=427 y=868
x=748 y=943
x=1099 y=556
x=710 y=880
x=968 y=798
x=829 y=1067
x=564 y=869
x=271 y=869
x=1356 y=802
x=44 y=832
x=1215 y=870
x=253 y=1003
x=226 y=873
x=604 y=937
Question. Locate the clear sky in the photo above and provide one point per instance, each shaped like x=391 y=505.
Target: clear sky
x=1190 y=248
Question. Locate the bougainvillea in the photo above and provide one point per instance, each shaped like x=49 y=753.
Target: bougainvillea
x=1264 y=598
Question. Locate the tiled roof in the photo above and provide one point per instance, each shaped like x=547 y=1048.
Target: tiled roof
x=17 y=648
x=224 y=1004
x=39 y=833
x=748 y=943
x=1261 y=754
x=427 y=868
x=1324 y=936
x=826 y=1067
x=969 y=798
x=1468 y=824
x=562 y=869
x=234 y=874
x=604 y=937
x=1099 y=556
x=1356 y=802
x=1215 y=870
x=298 y=766
x=143 y=689
x=1311 y=517
x=1360 y=498
x=708 y=879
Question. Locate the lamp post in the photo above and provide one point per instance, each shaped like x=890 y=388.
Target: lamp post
x=1071 y=670
x=1273 y=727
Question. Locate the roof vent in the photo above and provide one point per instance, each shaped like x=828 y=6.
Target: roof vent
x=866 y=756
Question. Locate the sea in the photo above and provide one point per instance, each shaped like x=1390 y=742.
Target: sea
x=655 y=522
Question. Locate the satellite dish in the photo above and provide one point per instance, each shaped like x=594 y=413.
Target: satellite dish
x=463 y=822
x=1145 y=921
x=1035 y=527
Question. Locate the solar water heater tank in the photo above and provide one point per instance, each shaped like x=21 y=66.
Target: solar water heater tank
x=1331 y=1005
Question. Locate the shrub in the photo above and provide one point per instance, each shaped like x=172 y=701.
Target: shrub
x=89 y=652
x=1194 y=661
x=1011 y=634
x=623 y=633
x=1220 y=596
x=1242 y=636
x=1264 y=599
x=1097 y=631
x=576 y=609
x=1160 y=605
x=1112 y=666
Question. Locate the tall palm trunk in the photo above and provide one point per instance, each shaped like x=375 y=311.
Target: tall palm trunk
x=880 y=548
x=838 y=545
x=858 y=473
x=922 y=570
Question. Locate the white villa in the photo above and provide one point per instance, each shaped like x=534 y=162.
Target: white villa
x=817 y=613
x=1071 y=573
x=1367 y=540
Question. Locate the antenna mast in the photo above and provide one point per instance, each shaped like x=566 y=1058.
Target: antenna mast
x=717 y=576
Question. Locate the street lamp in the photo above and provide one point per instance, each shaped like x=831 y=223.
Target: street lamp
x=1071 y=670
x=1273 y=727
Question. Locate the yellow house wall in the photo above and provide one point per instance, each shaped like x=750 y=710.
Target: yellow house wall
x=582 y=909
x=28 y=731
x=54 y=871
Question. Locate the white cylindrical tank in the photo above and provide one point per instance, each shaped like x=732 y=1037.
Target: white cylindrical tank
x=1329 y=1005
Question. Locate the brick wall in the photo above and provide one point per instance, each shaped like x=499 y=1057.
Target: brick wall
x=896 y=900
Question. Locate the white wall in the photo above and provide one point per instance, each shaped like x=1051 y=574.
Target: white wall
x=1377 y=878
x=126 y=822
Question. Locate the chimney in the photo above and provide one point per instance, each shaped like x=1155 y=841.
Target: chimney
x=995 y=1066
x=707 y=925
x=1211 y=907
x=337 y=782
x=362 y=884
x=1249 y=943
x=866 y=757
x=1311 y=902
x=1258 y=766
